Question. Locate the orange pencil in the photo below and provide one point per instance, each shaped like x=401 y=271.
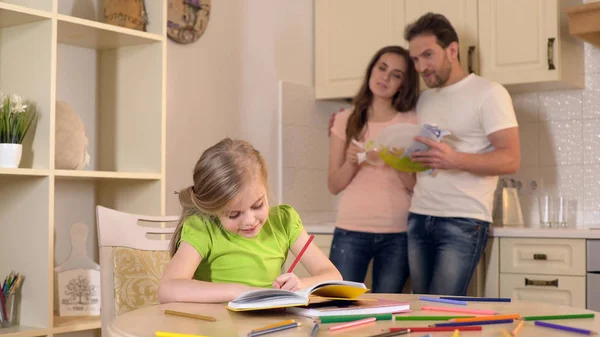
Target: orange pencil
x=518 y=329
x=274 y=325
x=486 y=318
x=301 y=253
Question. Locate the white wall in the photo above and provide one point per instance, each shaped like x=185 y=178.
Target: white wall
x=203 y=89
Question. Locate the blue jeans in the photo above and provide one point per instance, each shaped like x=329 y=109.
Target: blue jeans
x=444 y=252
x=352 y=251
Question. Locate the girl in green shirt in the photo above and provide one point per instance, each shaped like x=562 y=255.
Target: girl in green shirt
x=228 y=240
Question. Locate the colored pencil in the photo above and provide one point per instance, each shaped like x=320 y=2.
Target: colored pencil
x=314 y=331
x=546 y=318
x=275 y=329
x=476 y=299
x=174 y=334
x=274 y=325
x=565 y=328
x=456 y=333
x=291 y=269
x=352 y=324
x=438 y=329
x=189 y=315
x=486 y=318
x=496 y=321
x=349 y=318
x=429 y=318
x=441 y=300
x=392 y=333
x=518 y=329
x=461 y=310
x=506 y=333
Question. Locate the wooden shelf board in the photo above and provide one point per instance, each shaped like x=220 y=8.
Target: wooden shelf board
x=75 y=323
x=584 y=22
x=99 y=35
x=13 y=15
x=24 y=172
x=72 y=174
x=22 y=331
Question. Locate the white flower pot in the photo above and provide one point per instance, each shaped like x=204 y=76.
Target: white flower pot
x=10 y=155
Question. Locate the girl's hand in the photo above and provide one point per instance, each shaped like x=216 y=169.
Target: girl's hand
x=352 y=153
x=288 y=281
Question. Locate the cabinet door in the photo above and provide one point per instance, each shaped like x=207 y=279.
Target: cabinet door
x=463 y=17
x=347 y=35
x=553 y=289
x=518 y=40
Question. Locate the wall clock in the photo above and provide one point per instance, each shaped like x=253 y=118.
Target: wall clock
x=187 y=19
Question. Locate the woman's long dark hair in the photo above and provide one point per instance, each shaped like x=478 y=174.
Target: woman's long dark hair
x=403 y=101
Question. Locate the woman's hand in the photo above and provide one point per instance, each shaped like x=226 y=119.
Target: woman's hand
x=288 y=281
x=352 y=153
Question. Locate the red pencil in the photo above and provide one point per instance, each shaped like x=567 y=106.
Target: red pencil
x=301 y=253
x=439 y=328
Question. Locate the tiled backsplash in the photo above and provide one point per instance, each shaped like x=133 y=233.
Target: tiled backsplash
x=560 y=143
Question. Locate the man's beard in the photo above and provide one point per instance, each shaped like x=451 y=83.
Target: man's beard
x=442 y=76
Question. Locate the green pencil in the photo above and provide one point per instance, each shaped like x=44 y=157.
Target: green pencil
x=350 y=318
x=545 y=318
x=428 y=318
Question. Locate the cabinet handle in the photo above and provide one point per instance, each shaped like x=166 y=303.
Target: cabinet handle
x=541 y=283
x=540 y=257
x=551 y=53
x=471 y=50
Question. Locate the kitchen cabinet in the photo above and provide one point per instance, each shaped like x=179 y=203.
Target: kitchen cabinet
x=347 y=34
x=525 y=45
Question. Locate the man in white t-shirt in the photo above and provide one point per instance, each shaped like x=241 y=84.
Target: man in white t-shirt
x=451 y=210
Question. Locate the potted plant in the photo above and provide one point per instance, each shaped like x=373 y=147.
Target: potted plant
x=16 y=117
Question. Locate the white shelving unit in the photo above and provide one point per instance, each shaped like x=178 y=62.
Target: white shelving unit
x=115 y=79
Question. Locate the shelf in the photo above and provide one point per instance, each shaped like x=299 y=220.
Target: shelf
x=68 y=174
x=75 y=323
x=97 y=35
x=24 y=172
x=584 y=22
x=12 y=15
x=22 y=331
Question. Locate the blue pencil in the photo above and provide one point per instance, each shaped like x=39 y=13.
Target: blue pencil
x=441 y=300
x=315 y=330
x=564 y=328
x=275 y=329
x=476 y=299
x=498 y=321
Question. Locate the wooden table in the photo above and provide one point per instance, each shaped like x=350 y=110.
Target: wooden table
x=145 y=322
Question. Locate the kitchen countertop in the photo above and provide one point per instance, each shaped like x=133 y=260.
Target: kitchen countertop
x=507 y=231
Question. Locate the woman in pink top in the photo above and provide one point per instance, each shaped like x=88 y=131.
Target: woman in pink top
x=371 y=221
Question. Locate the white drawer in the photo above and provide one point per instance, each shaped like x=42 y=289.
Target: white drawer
x=554 y=289
x=543 y=256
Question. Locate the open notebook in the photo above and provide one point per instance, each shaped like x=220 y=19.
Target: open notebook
x=277 y=298
x=320 y=308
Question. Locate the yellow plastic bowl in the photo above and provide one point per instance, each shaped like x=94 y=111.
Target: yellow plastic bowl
x=405 y=164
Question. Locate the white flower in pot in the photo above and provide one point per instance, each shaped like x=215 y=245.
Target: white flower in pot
x=16 y=118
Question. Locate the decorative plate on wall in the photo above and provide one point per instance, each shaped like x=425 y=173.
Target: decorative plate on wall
x=187 y=19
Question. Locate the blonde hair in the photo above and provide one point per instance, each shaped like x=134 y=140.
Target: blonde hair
x=220 y=174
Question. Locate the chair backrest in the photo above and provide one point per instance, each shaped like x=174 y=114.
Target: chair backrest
x=130 y=259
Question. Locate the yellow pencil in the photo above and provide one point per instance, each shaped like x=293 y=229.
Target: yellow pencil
x=505 y=333
x=456 y=333
x=518 y=328
x=190 y=315
x=175 y=334
x=274 y=325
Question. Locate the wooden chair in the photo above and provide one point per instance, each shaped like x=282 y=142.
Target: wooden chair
x=131 y=262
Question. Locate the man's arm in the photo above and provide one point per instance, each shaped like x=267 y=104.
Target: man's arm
x=504 y=159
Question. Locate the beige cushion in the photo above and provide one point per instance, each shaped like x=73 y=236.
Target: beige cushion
x=136 y=277
x=71 y=140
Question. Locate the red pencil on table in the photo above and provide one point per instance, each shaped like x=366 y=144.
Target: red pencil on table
x=301 y=253
x=434 y=329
